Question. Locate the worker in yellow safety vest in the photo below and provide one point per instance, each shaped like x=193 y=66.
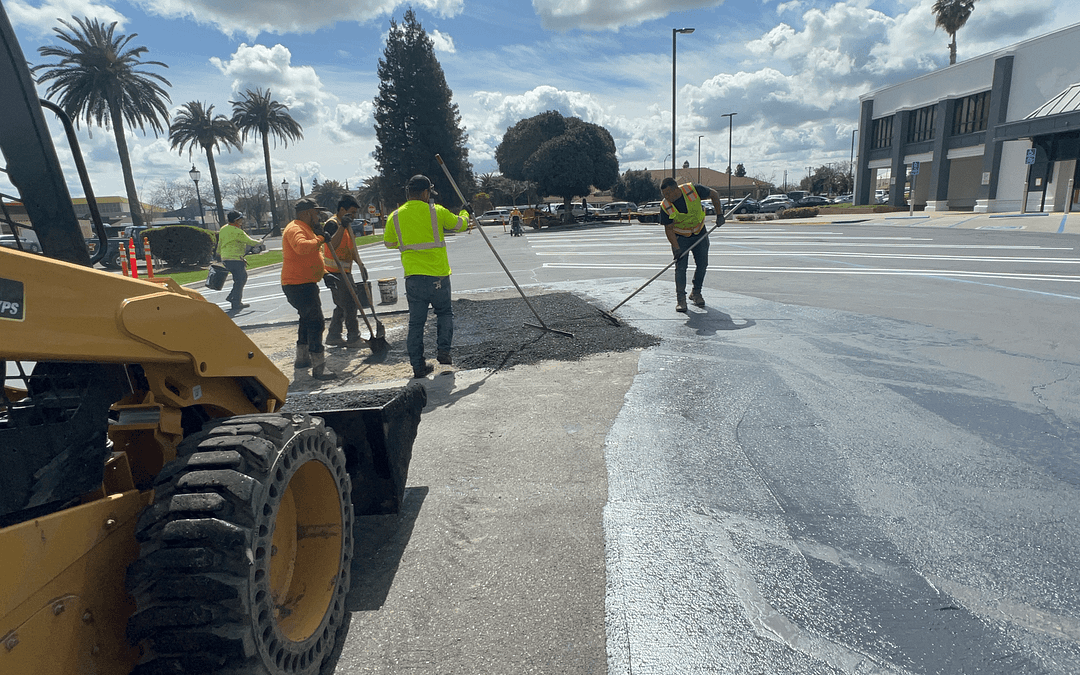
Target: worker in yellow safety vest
x=417 y=229
x=338 y=228
x=683 y=217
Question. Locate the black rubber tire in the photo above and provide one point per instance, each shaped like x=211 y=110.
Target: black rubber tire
x=236 y=574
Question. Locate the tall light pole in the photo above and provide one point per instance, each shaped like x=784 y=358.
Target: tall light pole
x=285 y=196
x=674 y=32
x=730 y=118
x=699 y=159
x=665 y=165
x=194 y=173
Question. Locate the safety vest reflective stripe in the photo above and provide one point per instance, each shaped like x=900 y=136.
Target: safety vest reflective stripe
x=437 y=243
x=691 y=222
x=344 y=251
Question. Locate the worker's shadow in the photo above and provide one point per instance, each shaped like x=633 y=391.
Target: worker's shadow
x=712 y=321
x=378 y=544
x=443 y=391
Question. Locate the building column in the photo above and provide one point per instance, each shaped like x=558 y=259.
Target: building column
x=938 y=189
x=999 y=111
x=899 y=168
x=864 y=183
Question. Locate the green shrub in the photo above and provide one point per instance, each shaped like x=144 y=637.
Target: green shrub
x=804 y=212
x=182 y=245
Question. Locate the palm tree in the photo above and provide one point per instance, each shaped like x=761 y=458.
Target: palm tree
x=196 y=124
x=258 y=113
x=952 y=15
x=99 y=80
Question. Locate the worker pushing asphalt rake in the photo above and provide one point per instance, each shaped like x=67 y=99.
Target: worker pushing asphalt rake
x=465 y=205
x=610 y=315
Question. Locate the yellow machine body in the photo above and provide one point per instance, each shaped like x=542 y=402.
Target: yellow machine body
x=63 y=607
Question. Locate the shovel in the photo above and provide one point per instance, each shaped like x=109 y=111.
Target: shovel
x=377 y=343
x=380 y=330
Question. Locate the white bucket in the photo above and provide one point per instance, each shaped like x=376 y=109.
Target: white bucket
x=388 y=291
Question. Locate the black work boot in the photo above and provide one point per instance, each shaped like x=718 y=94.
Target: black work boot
x=303 y=357
x=423 y=370
x=318 y=367
x=680 y=302
x=695 y=297
x=445 y=359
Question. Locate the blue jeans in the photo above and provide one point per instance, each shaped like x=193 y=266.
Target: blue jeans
x=305 y=298
x=701 y=261
x=238 y=268
x=423 y=291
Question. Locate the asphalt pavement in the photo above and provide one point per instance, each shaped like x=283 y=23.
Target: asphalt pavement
x=829 y=474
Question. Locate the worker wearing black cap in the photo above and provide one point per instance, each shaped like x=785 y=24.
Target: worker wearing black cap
x=417 y=230
x=301 y=272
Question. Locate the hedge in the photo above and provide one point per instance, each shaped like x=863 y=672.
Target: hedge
x=182 y=245
x=804 y=212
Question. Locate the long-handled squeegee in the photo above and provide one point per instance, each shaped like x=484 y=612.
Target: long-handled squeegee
x=465 y=205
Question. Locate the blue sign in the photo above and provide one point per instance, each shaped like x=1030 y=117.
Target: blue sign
x=914 y=168
x=1030 y=159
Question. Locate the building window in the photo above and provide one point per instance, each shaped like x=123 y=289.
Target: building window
x=921 y=124
x=881 y=133
x=972 y=114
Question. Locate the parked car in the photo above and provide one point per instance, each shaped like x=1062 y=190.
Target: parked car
x=749 y=206
x=575 y=210
x=881 y=196
x=23 y=243
x=618 y=209
x=494 y=217
x=650 y=213
x=843 y=199
x=775 y=203
x=707 y=204
x=813 y=201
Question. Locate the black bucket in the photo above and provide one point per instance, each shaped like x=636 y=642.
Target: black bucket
x=363 y=291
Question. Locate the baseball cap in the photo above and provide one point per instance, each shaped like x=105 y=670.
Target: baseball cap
x=233 y=216
x=305 y=204
x=419 y=183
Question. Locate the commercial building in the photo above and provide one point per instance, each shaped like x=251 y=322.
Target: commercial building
x=982 y=134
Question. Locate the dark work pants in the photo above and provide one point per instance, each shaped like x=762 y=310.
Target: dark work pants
x=344 y=307
x=305 y=298
x=238 y=269
x=422 y=291
x=701 y=260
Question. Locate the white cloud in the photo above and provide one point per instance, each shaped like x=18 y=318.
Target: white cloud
x=271 y=68
x=568 y=14
x=443 y=42
x=44 y=17
x=352 y=121
x=286 y=16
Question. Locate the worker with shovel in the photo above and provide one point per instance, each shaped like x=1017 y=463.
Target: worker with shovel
x=683 y=218
x=417 y=230
x=338 y=228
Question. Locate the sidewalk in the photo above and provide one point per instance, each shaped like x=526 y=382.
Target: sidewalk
x=1031 y=222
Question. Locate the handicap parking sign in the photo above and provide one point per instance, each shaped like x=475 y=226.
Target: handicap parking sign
x=1030 y=158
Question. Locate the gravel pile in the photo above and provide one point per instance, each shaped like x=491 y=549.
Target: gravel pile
x=491 y=333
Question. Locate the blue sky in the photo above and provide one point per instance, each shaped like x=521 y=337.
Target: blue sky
x=792 y=71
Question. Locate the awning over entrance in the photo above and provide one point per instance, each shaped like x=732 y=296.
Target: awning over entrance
x=1059 y=114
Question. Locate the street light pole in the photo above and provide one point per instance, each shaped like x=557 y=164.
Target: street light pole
x=851 y=167
x=674 y=32
x=699 y=159
x=194 y=174
x=731 y=119
x=285 y=196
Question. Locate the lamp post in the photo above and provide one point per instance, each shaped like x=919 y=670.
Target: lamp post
x=699 y=159
x=674 y=32
x=194 y=173
x=285 y=196
x=851 y=167
x=672 y=165
x=730 y=118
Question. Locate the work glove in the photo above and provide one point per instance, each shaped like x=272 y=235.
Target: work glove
x=676 y=252
x=330 y=228
x=319 y=231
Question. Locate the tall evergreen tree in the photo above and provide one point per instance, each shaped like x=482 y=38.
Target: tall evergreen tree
x=416 y=118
